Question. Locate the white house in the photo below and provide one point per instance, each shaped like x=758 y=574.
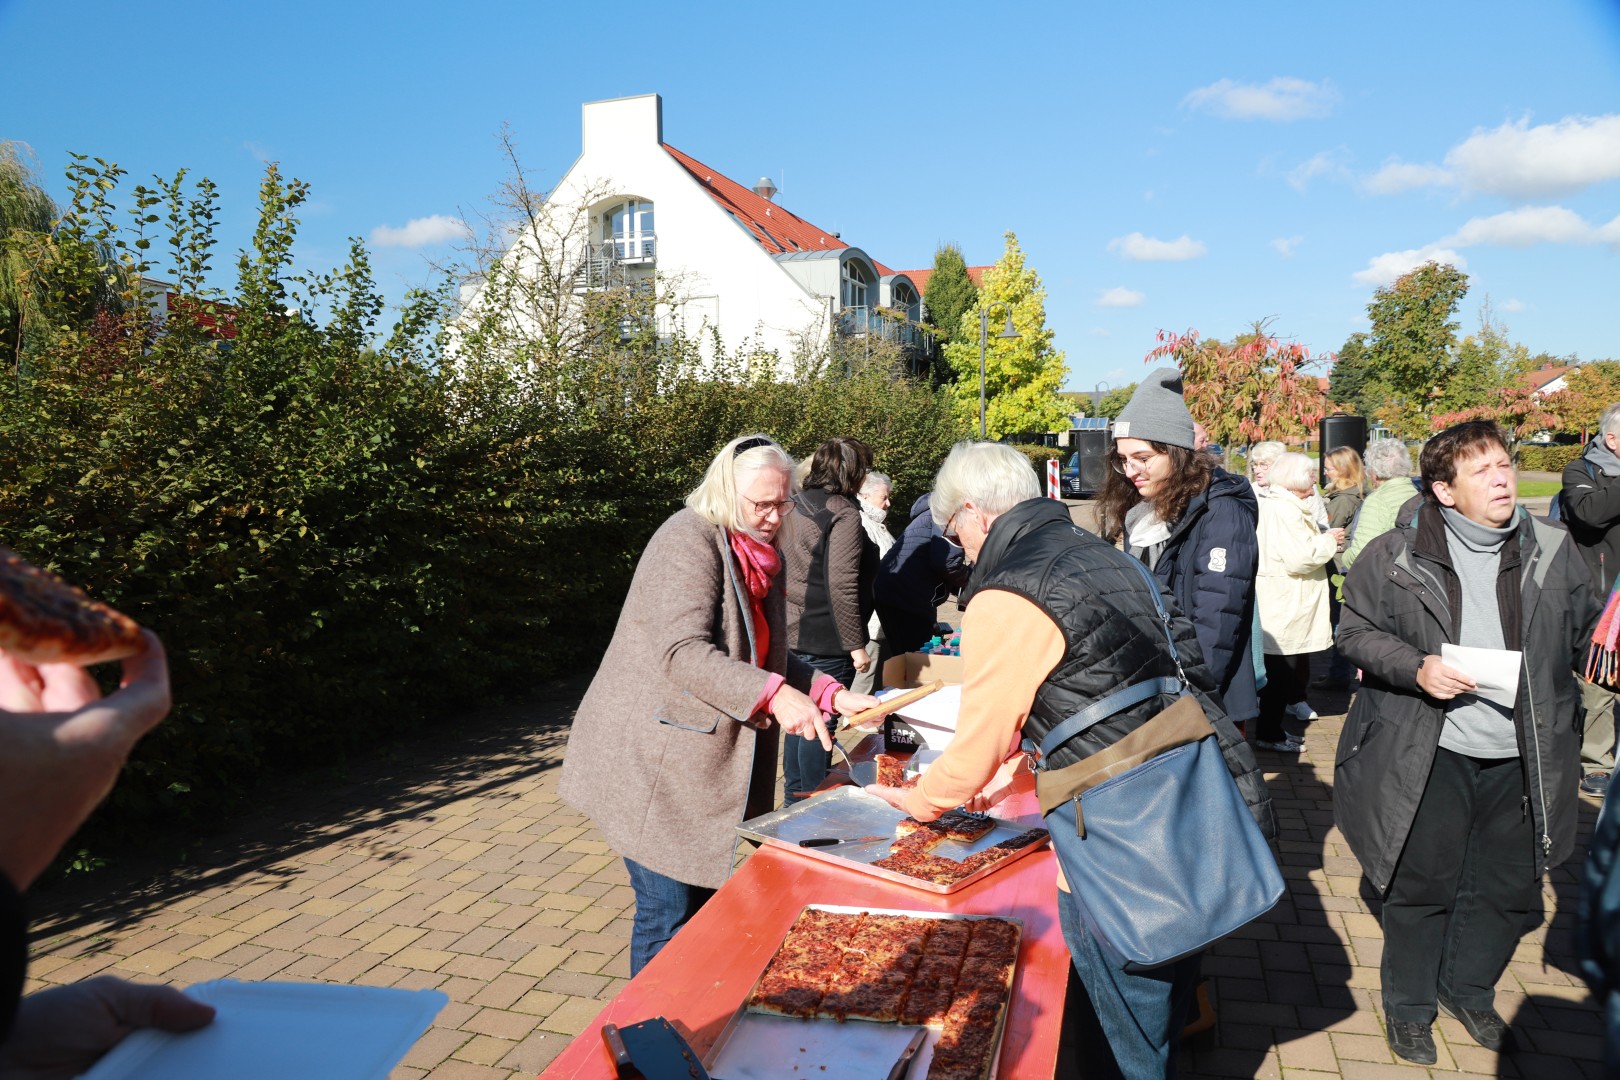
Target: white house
x=724 y=258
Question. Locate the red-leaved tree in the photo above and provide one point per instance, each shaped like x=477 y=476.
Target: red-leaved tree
x=1255 y=389
x=1518 y=410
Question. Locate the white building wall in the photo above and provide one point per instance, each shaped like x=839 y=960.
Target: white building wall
x=716 y=270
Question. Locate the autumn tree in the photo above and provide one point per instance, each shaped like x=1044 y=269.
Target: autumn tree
x=1254 y=389
x=1022 y=374
x=1589 y=389
x=1519 y=411
x=1412 y=345
x=1113 y=403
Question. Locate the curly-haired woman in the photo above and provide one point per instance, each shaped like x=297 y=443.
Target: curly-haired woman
x=1193 y=523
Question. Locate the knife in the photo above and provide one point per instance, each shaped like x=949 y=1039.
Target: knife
x=834 y=841
x=903 y=1066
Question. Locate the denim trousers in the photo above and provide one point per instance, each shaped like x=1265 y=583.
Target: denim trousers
x=1140 y=1014
x=663 y=906
x=804 y=762
x=1463 y=890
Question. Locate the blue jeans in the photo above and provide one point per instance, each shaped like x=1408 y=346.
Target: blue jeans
x=804 y=762
x=1140 y=1014
x=663 y=906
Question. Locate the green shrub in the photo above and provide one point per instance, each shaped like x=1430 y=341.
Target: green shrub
x=1039 y=455
x=337 y=538
x=1547 y=458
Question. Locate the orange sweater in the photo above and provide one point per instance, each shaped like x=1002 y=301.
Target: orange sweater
x=1009 y=647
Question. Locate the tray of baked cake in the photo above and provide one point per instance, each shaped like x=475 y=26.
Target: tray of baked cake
x=849 y=988
x=875 y=838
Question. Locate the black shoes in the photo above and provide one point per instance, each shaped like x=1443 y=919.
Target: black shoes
x=1485 y=1026
x=1411 y=1040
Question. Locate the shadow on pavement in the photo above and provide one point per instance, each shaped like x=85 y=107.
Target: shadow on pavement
x=405 y=781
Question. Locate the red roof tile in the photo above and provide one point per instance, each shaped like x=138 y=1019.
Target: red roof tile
x=920 y=278
x=1540 y=377
x=778 y=229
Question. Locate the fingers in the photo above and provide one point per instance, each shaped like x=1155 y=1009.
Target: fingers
x=66 y=687
x=21 y=686
x=820 y=732
x=138 y=1005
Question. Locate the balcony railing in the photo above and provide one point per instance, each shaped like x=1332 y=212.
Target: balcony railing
x=602 y=266
x=887 y=323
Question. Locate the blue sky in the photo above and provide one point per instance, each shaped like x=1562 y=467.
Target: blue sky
x=1168 y=165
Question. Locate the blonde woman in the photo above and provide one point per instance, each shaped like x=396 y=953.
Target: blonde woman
x=680 y=723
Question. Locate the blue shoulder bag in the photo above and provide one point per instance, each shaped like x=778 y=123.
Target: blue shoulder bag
x=1152 y=833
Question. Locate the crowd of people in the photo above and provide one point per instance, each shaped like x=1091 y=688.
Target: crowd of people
x=763 y=610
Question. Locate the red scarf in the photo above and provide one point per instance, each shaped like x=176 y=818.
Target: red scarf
x=760 y=564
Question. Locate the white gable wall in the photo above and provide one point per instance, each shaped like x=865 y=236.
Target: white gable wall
x=716 y=271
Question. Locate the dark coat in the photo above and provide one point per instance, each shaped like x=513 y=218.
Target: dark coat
x=661 y=755
x=1112 y=633
x=823 y=545
x=919 y=572
x=1208 y=566
x=1592 y=515
x=1401 y=603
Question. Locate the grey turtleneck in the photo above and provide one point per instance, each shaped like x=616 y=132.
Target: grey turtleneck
x=1473 y=726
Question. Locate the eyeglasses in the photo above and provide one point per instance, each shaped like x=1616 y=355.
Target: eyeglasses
x=764 y=509
x=1137 y=463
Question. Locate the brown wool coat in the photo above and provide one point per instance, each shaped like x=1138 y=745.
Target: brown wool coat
x=660 y=756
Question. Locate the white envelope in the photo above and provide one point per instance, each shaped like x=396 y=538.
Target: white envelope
x=1495 y=670
x=278 y=1030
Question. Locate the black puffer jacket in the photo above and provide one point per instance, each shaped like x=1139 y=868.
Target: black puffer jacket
x=1401 y=603
x=1592 y=512
x=1113 y=635
x=1208 y=564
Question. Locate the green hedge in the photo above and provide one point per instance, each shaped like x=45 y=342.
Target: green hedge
x=1548 y=458
x=1039 y=455
x=337 y=538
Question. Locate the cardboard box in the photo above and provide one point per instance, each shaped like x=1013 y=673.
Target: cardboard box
x=914 y=669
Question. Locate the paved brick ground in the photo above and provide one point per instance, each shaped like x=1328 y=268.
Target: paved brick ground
x=453 y=865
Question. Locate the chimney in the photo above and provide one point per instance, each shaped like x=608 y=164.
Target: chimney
x=765 y=189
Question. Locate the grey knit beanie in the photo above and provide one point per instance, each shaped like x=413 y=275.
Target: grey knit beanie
x=1157 y=412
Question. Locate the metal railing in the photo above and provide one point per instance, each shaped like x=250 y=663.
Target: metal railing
x=602 y=266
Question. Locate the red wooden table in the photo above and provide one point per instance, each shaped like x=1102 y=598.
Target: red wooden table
x=700 y=978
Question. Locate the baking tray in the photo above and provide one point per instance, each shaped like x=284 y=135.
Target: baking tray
x=755 y=1046
x=849 y=811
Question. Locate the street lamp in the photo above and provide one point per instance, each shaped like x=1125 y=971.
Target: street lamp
x=1007 y=334
x=1096 y=397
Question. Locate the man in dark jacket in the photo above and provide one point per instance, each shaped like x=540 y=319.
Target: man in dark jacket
x=919 y=572
x=1591 y=497
x=1454 y=802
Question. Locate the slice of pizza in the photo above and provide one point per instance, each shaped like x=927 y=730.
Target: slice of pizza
x=950 y=938
x=784 y=995
x=44 y=620
x=932 y=992
x=994 y=938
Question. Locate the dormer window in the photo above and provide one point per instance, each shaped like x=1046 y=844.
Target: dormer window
x=857 y=283
x=629 y=228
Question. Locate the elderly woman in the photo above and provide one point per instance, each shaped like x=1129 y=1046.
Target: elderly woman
x=828 y=575
x=874 y=500
x=1291 y=591
x=676 y=739
x=1388 y=465
x=1056 y=619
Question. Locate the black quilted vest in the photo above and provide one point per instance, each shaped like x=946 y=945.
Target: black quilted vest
x=1111 y=629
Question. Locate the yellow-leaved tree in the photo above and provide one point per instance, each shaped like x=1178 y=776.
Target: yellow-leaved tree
x=1022 y=375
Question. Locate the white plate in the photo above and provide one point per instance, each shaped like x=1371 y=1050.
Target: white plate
x=275 y=1030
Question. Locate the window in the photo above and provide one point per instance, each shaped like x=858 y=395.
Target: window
x=856 y=283
x=629 y=228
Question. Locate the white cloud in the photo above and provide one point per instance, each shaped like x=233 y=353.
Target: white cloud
x=1525 y=227
x=1326 y=163
x=1385 y=268
x=1280 y=99
x=1097 y=331
x=1119 y=296
x=1286 y=245
x=1520 y=161
x=420 y=232
x=1139 y=248
x=1510 y=306
x=1398 y=176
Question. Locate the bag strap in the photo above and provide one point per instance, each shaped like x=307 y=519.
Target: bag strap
x=1120 y=700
